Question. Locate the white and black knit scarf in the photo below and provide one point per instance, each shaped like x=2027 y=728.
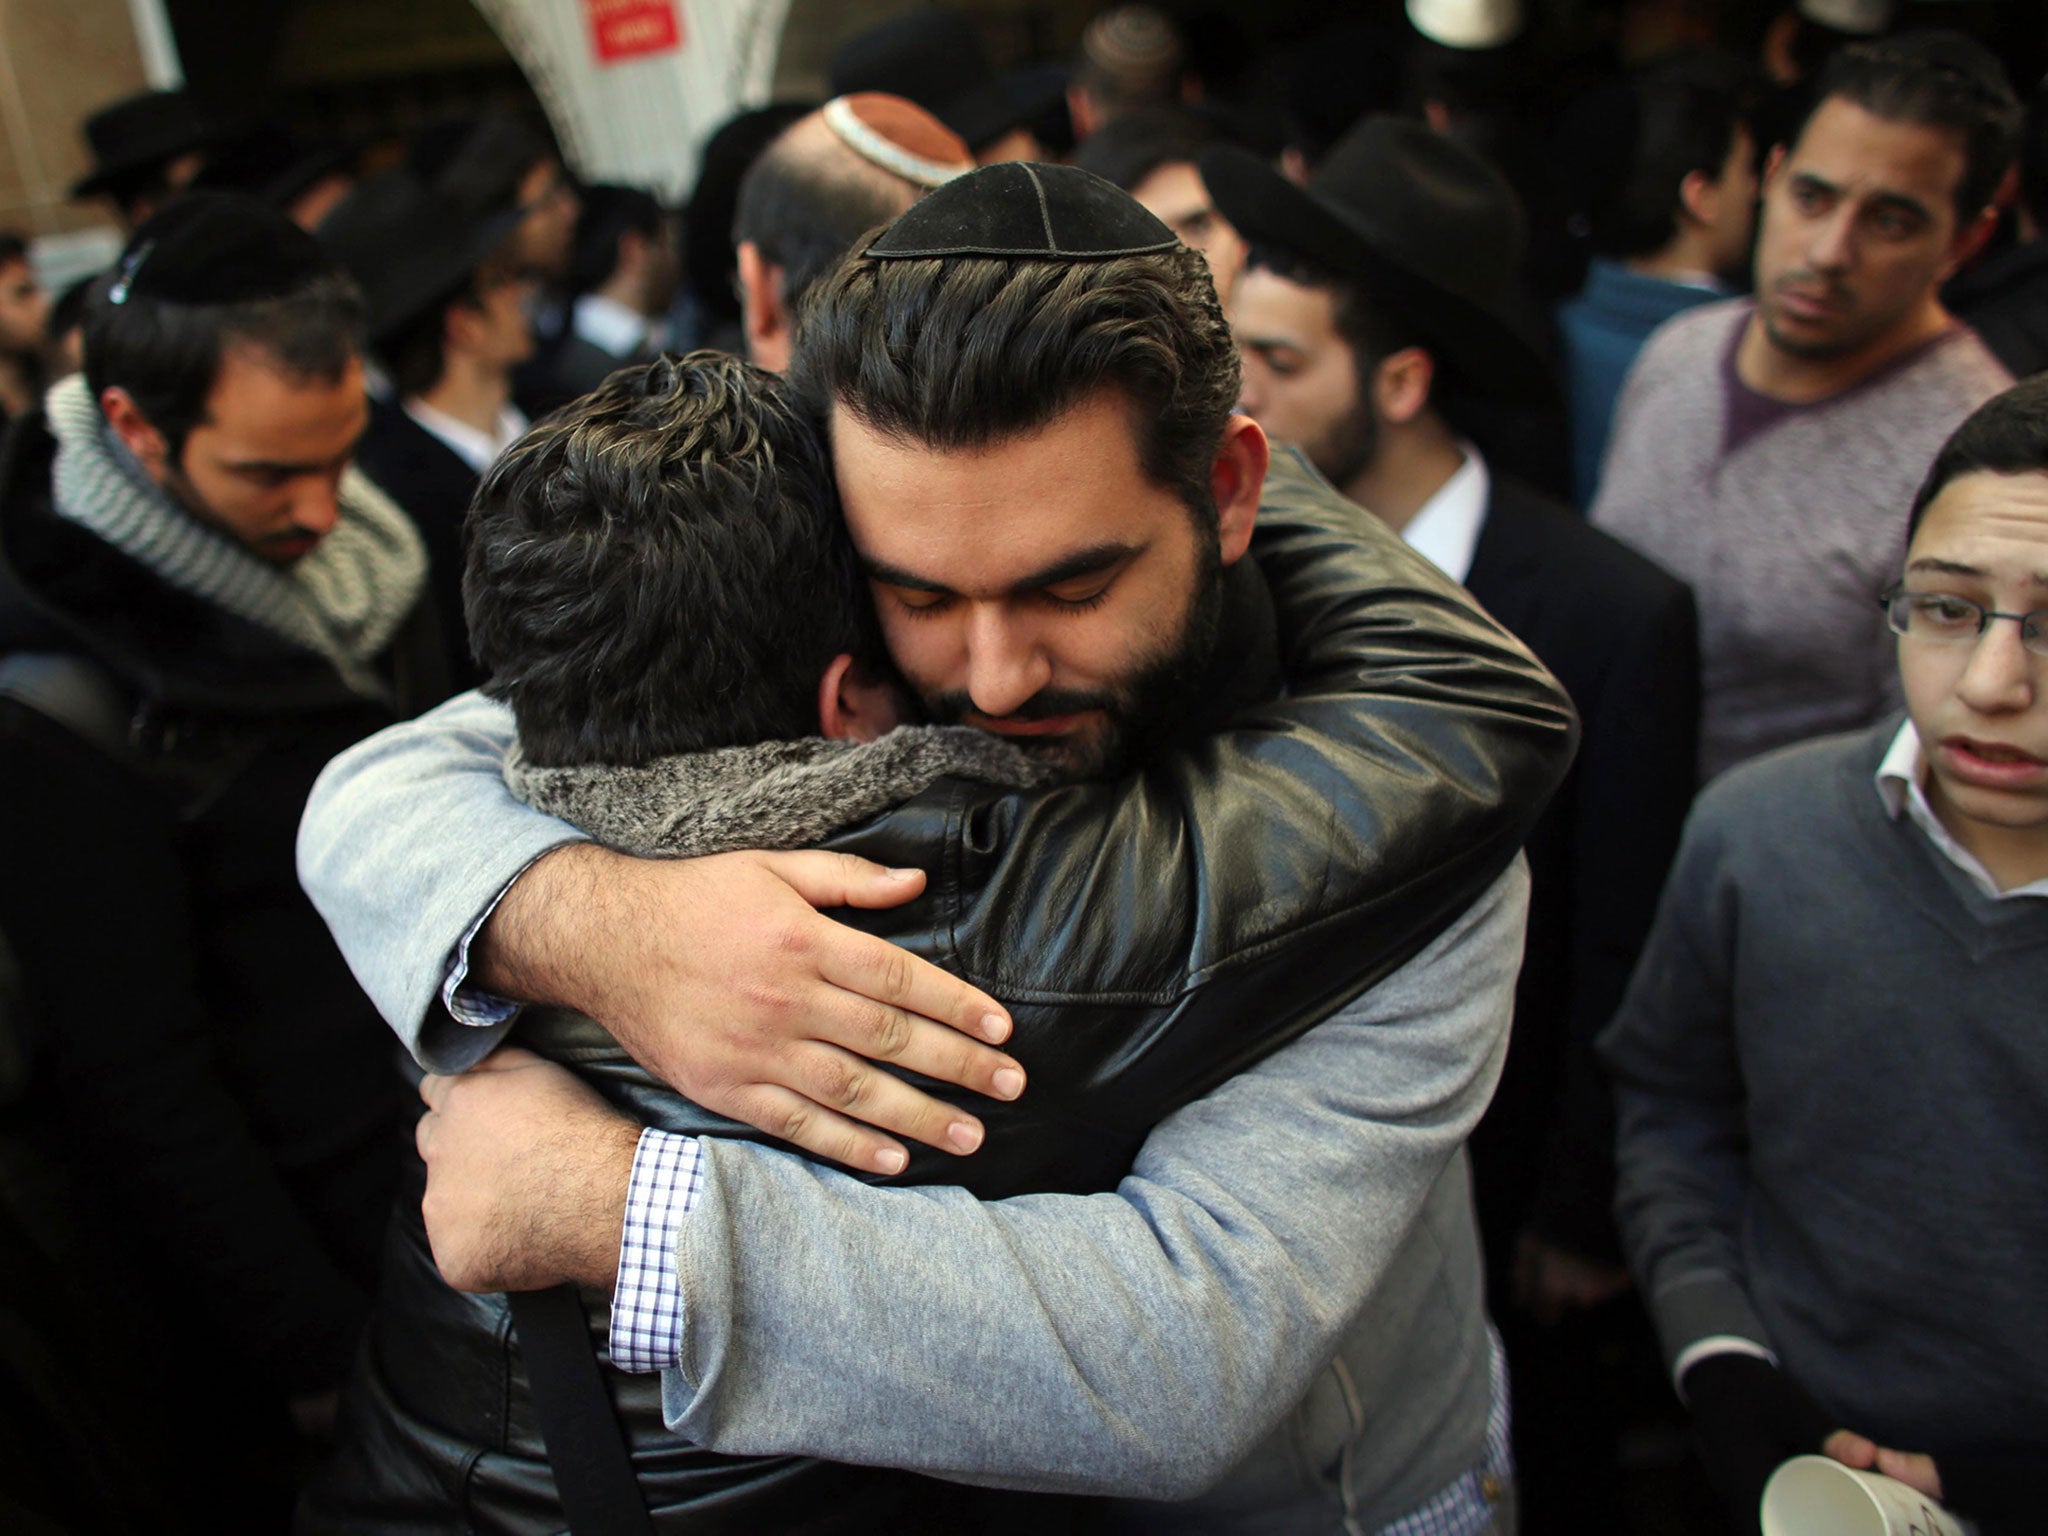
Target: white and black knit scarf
x=343 y=601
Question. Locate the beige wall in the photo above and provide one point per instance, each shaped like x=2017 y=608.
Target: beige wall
x=59 y=60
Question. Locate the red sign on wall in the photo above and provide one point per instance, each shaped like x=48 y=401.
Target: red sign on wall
x=632 y=29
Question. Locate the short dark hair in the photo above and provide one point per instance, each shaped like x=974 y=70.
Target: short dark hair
x=804 y=212
x=166 y=356
x=1372 y=331
x=1687 y=113
x=960 y=352
x=1127 y=149
x=609 y=213
x=1937 y=80
x=2006 y=435
x=2034 y=157
x=13 y=248
x=661 y=567
x=416 y=353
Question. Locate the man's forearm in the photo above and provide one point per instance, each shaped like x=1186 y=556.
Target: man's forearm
x=1143 y=1340
x=532 y=947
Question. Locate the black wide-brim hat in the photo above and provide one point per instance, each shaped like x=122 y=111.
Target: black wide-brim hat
x=1426 y=228
x=408 y=248
x=987 y=111
x=137 y=132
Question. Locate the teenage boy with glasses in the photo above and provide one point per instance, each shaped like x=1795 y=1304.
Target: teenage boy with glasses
x=1832 y=1075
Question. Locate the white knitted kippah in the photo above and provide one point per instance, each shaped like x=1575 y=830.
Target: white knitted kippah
x=1467 y=23
x=1861 y=18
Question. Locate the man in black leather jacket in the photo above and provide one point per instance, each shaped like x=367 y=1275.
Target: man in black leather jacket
x=1128 y=1003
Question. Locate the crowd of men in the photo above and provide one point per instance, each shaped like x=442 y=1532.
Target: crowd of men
x=1102 y=803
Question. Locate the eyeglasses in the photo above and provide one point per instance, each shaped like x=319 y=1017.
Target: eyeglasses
x=1936 y=618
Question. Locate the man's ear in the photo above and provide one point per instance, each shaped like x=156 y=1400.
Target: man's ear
x=1969 y=243
x=764 y=321
x=854 y=707
x=1081 y=112
x=1780 y=65
x=136 y=434
x=634 y=250
x=1699 y=198
x=1772 y=162
x=1401 y=385
x=1235 y=482
x=459 y=324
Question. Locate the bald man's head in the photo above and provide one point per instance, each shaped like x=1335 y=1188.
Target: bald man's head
x=856 y=162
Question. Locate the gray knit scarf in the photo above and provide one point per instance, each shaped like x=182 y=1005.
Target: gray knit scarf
x=343 y=601
x=779 y=794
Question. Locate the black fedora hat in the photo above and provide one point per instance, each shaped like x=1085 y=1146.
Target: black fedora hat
x=929 y=57
x=1423 y=224
x=936 y=59
x=137 y=132
x=409 y=248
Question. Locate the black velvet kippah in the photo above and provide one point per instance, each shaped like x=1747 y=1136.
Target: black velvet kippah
x=217 y=248
x=1015 y=208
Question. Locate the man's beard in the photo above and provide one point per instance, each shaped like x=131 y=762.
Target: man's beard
x=1812 y=349
x=1140 y=713
x=1346 y=450
x=279 y=548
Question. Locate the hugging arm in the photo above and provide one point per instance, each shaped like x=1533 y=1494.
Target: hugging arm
x=1144 y=1340
x=718 y=972
x=1420 y=735
x=1295 y=857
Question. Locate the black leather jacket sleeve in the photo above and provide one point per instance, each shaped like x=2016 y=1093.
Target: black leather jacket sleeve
x=1156 y=934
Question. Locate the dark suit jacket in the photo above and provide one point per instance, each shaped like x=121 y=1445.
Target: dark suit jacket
x=1622 y=635
x=432 y=483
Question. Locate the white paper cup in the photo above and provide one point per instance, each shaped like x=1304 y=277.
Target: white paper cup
x=1818 y=1496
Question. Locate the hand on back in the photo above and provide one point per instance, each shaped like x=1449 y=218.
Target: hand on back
x=722 y=978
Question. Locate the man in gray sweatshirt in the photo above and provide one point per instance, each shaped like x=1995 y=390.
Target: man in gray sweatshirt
x=1832 y=1076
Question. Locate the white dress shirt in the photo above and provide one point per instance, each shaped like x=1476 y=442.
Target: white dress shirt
x=613 y=327
x=1445 y=531
x=1902 y=780
x=479 y=450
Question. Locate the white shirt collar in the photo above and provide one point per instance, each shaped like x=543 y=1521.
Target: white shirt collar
x=1445 y=530
x=1902 y=781
x=609 y=325
x=479 y=450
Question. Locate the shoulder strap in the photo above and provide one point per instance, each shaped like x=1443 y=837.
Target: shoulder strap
x=78 y=694
x=586 y=1447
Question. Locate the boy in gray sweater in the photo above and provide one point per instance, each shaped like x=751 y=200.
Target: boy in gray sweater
x=1833 y=1081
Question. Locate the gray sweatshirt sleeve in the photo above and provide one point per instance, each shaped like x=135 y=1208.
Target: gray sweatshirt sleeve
x=1682 y=1147
x=408 y=839
x=1139 y=1342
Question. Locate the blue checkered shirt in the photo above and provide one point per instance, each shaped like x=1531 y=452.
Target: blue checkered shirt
x=647 y=1307
x=647 y=1328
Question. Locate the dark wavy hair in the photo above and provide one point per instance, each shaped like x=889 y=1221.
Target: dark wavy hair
x=2006 y=435
x=661 y=567
x=1936 y=79
x=960 y=352
x=1687 y=109
x=167 y=356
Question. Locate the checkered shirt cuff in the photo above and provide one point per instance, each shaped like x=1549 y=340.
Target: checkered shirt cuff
x=647 y=1307
x=1468 y=1506
x=473 y=1005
